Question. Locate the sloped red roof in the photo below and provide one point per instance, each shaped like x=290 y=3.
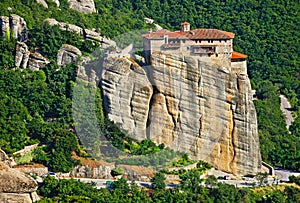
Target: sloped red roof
x=192 y=34
x=237 y=55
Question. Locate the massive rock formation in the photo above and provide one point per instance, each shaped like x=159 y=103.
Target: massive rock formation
x=85 y=6
x=190 y=105
x=14 y=26
x=16 y=186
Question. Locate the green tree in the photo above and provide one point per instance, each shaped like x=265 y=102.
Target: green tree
x=191 y=180
x=158 y=181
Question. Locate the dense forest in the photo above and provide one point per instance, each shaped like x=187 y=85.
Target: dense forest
x=36 y=105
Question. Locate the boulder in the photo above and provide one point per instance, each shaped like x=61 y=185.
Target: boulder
x=67 y=54
x=85 y=6
x=37 y=61
x=13 y=181
x=5 y=159
x=15 y=186
x=43 y=3
x=92 y=35
x=56 y=2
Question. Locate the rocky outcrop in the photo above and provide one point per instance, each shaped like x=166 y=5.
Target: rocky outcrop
x=86 y=33
x=137 y=173
x=22 y=55
x=25 y=59
x=5 y=159
x=16 y=186
x=43 y=3
x=37 y=61
x=65 y=26
x=67 y=54
x=56 y=2
x=85 y=6
x=14 y=26
x=197 y=107
x=4 y=23
x=127 y=94
x=100 y=171
x=92 y=35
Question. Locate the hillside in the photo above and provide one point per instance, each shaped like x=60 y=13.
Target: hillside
x=266 y=31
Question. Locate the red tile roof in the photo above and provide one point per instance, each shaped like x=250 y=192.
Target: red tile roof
x=237 y=55
x=192 y=34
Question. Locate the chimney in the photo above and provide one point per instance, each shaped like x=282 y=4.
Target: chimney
x=185 y=27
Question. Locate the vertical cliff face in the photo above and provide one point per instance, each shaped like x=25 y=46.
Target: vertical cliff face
x=196 y=106
x=127 y=94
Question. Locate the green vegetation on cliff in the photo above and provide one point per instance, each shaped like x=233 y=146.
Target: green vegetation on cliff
x=36 y=106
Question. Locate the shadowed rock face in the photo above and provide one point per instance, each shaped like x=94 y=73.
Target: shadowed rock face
x=196 y=107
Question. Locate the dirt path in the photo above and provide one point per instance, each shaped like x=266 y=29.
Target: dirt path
x=285 y=107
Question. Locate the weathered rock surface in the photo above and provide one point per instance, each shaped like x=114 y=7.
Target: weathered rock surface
x=4 y=23
x=22 y=55
x=86 y=33
x=196 y=107
x=15 y=26
x=13 y=181
x=85 y=6
x=67 y=54
x=5 y=159
x=127 y=94
x=43 y=3
x=65 y=26
x=56 y=2
x=137 y=173
x=25 y=59
x=92 y=35
x=15 y=186
x=37 y=61
x=101 y=171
